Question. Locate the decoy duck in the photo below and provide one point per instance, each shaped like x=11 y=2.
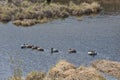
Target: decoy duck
x=71 y=50
x=92 y=53
x=53 y=50
x=40 y=49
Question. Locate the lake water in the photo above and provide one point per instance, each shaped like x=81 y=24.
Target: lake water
x=100 y=33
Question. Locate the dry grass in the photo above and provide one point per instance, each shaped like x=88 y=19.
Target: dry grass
x=15 y=78
x=64 y=70
x=106 y=66
x=84 y=8
x=25 y=22
x=84 y=73
x=64 y=65
x=35 y=76
x=41 y=12
x=56 y=72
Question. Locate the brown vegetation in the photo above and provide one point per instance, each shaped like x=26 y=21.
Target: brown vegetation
x=57 y=72
x=35 y=76
x=64 y=70
x=106 y=66
x=84 y=73
x=28 y=13
x=25 y=22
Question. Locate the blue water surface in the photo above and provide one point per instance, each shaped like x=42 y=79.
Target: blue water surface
x=100 y=33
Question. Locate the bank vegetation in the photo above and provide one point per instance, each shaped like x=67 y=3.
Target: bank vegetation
x=29 y=13
x=64 y=70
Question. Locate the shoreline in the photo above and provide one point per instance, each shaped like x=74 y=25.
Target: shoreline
x=64 y=70
x=37 y=13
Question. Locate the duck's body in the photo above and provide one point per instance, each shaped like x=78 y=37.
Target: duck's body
x=29 y=46
x=71 y=50
x=23 y=46
x=53 y=50
x=35 y=47
x=40 y=49
x=92 y=53
x=26 y=46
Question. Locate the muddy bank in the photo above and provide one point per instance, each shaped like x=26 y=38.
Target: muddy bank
x=28 y=13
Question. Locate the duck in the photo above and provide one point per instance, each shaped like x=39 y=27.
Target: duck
x=53 y=50
x=35 y=47
x=26 y=46
x=92 y=53
x=71 y=50
x=23 y=46
x=40 y=49
x=29 y=46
